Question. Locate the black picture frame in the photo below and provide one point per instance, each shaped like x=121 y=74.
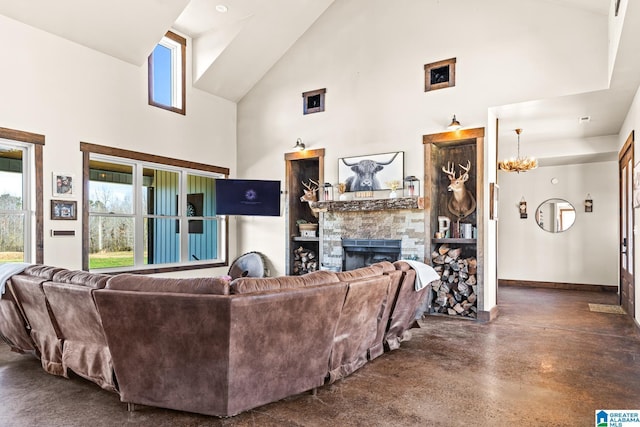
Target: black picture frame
x=64 y=210
x=440 y=74
x=388 y=167
x=313 y=101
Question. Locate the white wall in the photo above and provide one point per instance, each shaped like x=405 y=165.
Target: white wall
x=70 y=93
x=370 y=54
x=632 y=124
x=584 y=254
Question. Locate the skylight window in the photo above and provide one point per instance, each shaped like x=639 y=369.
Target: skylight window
x=167 y=74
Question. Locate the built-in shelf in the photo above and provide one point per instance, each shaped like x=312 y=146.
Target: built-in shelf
x=369 y=204
x=305 y=239
x=455 y=241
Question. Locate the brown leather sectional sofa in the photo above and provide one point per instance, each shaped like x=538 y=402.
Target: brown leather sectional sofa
x=206 y=345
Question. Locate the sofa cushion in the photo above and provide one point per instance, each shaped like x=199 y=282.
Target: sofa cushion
x=247 y=285
x=79 y=277
x=195 y=285
x=43 y=271
x=387 y=266
x=360 y=273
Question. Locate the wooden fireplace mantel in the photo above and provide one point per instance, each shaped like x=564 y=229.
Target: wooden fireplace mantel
x=369 y=204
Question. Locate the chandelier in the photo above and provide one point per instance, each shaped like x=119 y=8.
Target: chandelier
x=519 y=164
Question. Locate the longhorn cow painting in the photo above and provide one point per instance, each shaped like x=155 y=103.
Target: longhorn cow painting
x=371 y=173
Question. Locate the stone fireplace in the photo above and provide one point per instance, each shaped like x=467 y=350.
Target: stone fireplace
x=393 y=220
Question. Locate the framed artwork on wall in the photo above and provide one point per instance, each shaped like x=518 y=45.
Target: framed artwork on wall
x=313 y=101
x=441 y=74
x=64 y=209
x=372 y=172
x=63 y=184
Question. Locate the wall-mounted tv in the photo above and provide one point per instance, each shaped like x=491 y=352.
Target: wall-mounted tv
x=247 y=197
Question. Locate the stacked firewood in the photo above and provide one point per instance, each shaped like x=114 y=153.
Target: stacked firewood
x=455 y=292
x=304 y=261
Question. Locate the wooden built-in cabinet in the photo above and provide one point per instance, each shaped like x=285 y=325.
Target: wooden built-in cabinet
x=301 y=166
x=440 y=150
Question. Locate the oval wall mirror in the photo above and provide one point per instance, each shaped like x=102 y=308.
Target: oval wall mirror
x=555 y=215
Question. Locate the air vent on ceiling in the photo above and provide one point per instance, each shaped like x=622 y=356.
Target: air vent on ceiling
x=584 y=119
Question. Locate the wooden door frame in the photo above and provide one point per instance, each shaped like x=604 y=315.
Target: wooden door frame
x=626 y=147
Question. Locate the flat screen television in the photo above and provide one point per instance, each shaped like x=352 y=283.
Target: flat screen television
x=247 y=197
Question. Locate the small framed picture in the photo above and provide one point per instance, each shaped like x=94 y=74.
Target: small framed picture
x=64 y=209
x=313 y=101
x=63 y=184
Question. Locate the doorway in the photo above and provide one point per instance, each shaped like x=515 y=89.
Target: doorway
x=627 y=202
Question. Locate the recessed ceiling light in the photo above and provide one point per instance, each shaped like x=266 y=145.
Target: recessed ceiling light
x=222 y=8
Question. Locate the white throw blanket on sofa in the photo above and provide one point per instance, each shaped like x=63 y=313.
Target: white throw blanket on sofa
x=8 y=270
x=425 y=274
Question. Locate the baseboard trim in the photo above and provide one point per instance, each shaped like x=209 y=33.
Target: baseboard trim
x=558 y=285
x=488 y=316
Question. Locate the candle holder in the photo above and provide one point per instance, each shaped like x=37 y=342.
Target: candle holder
x=413 y=186
x=327 y=192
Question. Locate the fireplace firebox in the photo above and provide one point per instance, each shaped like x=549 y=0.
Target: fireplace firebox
x=364 y=252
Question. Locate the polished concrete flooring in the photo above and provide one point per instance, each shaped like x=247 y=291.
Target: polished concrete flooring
x=547 y=360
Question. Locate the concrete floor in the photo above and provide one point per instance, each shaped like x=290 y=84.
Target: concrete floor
x=547 y=360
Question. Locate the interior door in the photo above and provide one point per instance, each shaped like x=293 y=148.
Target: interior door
x=627 y=292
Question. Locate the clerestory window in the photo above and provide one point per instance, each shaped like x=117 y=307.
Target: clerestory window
x=167 y=65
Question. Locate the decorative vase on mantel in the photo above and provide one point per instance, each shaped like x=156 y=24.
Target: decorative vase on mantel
x=393 y=185
x=342 y=187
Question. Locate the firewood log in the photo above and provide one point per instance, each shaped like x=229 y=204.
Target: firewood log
x=455 y=253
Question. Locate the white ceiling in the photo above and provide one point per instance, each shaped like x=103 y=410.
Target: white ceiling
x=224 y=43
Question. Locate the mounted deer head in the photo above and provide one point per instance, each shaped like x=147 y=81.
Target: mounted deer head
x=310 y=191
x=462 y=203
x=311 y=195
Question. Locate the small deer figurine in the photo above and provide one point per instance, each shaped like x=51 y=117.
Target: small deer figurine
x=310 y=195
x=462 y=203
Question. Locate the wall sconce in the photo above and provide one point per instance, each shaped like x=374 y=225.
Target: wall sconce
x=455 y=124
x=588 y=204
x=328 y=192
x=523 y=208
x=412 y=187
x=299 y=145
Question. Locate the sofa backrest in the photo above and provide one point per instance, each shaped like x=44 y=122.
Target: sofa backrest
x=385 y=265
x=79 y=277
x=196 y=285
x=248 y=285
x=407 y=302
x=360 y=273
x=29 y=294
x=358 y=324
x=219 y=354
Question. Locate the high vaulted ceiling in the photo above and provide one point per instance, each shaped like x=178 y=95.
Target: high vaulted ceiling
x=232 y=51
